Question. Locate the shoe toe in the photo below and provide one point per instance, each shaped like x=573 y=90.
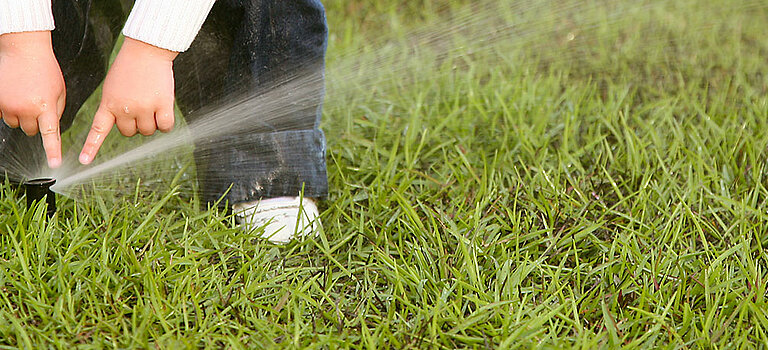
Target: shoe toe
x=280 y=219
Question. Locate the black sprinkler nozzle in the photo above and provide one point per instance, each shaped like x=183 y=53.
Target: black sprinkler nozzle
x=37 y=189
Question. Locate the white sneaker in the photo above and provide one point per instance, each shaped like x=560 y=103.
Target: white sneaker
x=282 y=218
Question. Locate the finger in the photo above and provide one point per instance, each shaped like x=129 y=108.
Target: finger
x=28 y=125
x=146 y=124
x=165 y=119
x=11 y=120
x=102 y=124
x=127 y=126
x=48 y=124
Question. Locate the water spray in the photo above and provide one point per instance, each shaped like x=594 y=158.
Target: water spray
x=550 y=33
x=38 y=189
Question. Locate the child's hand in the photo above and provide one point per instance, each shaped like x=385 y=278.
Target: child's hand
x=32 y=92
x=138 y=95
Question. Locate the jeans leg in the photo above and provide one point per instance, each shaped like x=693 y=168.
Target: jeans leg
x=248 y=47
x=82 y=41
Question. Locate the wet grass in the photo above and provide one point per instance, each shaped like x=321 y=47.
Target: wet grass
x=601 y=189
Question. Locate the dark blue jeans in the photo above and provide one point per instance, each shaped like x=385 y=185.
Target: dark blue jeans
x=244 y=47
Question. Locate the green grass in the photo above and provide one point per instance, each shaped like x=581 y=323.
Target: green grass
x=608 y=190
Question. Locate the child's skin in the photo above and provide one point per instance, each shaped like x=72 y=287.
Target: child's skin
x=138 y=92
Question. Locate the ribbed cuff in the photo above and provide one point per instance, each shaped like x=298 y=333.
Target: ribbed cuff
x=169 y=24
x=25 y=16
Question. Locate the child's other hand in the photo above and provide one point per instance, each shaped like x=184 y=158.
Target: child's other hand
x=32 y=91
x=138 y=95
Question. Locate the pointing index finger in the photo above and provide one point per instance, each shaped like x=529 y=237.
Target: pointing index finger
x=102 y=124
x=48 y=124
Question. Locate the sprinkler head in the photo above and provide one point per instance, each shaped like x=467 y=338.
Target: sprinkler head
x=36 y=189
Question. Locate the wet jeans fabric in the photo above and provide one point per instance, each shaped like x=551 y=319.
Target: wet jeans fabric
x=244 y=47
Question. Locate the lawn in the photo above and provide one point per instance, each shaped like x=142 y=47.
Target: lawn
x=507 y=174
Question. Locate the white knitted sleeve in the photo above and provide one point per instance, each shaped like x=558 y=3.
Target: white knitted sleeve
x=169 y=24
x=25 y=16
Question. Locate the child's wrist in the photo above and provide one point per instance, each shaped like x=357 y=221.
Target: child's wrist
x=26 y=43
x=135 y=47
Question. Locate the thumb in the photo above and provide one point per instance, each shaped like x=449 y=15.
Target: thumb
x=102 y=124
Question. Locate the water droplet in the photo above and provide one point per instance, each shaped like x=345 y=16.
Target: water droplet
x=126 y=110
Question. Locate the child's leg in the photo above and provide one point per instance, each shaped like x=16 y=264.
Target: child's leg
x=82 y=41
x=246 y=46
